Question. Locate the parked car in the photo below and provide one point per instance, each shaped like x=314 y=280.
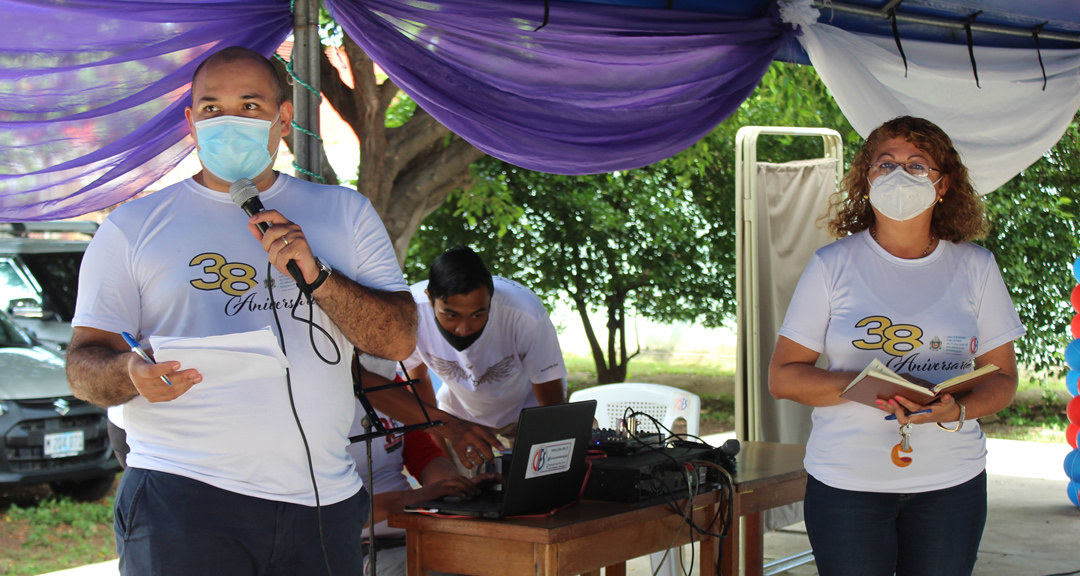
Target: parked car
x=46 y=434
x=39 y=275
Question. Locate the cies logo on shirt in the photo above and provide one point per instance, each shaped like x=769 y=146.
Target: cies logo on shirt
x=893 y=339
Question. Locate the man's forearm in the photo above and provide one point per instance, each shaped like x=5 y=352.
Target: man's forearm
x=380 y=323
x=400 y=404
x=99 y=375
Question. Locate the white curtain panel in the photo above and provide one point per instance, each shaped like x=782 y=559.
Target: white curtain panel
x=999 y=129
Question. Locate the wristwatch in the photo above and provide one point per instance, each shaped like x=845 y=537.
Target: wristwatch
x=959 y=423
x=324 y=272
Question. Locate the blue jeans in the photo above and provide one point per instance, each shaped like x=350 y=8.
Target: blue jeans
x=876 y=534
x=170 y=525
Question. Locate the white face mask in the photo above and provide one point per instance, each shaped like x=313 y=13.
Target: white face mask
x=900 y=196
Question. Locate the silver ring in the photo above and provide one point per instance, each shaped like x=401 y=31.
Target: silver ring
x=285 y=240
x=469 y=449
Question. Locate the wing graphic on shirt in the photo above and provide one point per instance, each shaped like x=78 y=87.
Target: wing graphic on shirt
x=449 y=370
x=498 y=371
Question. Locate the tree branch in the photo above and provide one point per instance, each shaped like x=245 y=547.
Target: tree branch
x=433 y=168
x=412 y=137
x=387 y=92
x=338 y=93
x=363 y=70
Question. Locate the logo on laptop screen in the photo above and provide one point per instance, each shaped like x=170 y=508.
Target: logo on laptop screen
x=550 y=458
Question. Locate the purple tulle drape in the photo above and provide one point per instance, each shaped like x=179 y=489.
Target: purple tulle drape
x=597 y=89
x=92 y=93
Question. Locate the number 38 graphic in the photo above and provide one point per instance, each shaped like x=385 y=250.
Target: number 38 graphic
x=232 y=278
x=895 y=340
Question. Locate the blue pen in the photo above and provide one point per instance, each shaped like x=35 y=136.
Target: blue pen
x=131 y=341
x=893 y=416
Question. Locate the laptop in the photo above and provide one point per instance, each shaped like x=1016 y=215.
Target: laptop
x=547 y=468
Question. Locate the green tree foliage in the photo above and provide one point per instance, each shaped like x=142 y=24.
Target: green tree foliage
x=1035 y=237
x=657 y=242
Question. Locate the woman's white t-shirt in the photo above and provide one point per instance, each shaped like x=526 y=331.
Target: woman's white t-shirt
x=930 y=317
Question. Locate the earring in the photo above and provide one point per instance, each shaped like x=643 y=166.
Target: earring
x=940 y=200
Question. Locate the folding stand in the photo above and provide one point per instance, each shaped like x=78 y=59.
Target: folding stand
x=373 y=428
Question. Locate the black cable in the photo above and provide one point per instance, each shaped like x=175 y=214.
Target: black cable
x=1038 y=50
x=896 y=37
x=292 y=404
x=312 y=325
x=547 y=13
x=1065 y=573
x=727 y=488
x=971 y=45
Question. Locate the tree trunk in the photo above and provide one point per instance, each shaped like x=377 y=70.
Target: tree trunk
x=408 y=171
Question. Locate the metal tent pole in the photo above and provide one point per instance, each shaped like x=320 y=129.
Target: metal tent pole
x=306 y=97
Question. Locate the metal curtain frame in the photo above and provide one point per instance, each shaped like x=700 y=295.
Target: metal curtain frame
x=747 y=304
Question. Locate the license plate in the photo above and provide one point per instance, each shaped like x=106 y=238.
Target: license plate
x=64 y=444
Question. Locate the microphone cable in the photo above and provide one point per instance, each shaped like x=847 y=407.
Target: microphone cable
x=292 y=403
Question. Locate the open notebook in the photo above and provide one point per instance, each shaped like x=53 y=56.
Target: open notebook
x=546 y=471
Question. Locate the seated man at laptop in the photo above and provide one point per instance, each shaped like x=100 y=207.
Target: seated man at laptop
x=493 y=345
x=415 y=452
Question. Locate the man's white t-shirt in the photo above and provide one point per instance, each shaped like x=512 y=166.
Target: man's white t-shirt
x=490 y=382
x=929 y=317
x=181 y=262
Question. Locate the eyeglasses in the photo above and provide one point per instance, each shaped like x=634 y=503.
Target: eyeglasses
x=913 y=168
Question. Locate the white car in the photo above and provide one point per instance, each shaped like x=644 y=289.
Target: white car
x=46 y=434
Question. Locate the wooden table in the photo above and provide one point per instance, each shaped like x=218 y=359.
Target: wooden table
x=592 y=535
x=769 y=475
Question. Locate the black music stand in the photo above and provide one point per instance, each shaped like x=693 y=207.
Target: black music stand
x=373 y=428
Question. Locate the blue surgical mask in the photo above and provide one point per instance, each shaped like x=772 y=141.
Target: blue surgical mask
x=234 y=147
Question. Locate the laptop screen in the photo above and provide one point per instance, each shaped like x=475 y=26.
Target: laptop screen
x=548 y=464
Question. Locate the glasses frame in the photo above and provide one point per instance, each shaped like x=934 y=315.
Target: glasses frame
x=876 y=167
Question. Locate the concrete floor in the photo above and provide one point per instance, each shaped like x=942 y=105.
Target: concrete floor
x=1032 y=530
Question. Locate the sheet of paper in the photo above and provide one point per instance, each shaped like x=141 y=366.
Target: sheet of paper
x=227 y=358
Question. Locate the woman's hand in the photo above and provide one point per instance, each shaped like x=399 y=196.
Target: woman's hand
x=943 y=409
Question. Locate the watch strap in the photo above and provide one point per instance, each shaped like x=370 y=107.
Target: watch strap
x=324 y=272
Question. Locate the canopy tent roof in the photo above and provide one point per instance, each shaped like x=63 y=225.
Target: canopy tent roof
x=999 y=23
x=92 y=94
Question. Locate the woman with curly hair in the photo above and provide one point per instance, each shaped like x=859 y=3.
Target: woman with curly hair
x=900 y=488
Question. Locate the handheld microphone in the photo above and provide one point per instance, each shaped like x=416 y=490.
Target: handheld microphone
x=245 y=194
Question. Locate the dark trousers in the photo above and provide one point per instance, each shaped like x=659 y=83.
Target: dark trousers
x=877 y=534
x=170 y=525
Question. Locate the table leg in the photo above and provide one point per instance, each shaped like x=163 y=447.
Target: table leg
x=415 y=554
x=729 y=565
x=546 y=560
x=755 y=545
x=614 y=570
x=710 y=546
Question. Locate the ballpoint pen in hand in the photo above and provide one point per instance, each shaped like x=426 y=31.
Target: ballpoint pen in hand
x=131 y=341
x=893 y=416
